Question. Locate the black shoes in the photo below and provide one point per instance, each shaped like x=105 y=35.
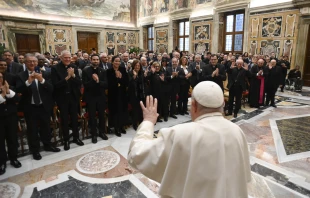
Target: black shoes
x=36 y=156
x=15 y=163
x=235 y=115
x=78 y=141
x=66 y=145
x=2 y=169
x=117 y=133
x=159 y=120
x=173 y=116
x=165 y=118
x=228 y=114
x=51 y=148
x=135 y=127
x=123 y=131
x=186 y=113
x=103 y=136
x=182 y=113
x=273 y=105
x=94 y=139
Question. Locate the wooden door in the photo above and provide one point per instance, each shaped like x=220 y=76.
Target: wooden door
x=306 y=72
x=27 y=43
x=87 y=41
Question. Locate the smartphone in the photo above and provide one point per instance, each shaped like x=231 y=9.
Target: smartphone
x=37 y=70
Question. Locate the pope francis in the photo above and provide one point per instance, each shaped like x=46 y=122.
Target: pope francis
x=206 y=158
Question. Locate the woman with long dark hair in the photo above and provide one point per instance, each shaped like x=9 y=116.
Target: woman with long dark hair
x=117 y=96
x=8 y=119
x=136 y=92
x=184 y=76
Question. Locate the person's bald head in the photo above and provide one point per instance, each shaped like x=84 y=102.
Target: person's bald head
x=143 y=61
x=239 y=63
x=125 y=57
x=175 y=62
x=176 y=55
x=260 y=62
x=273 y=62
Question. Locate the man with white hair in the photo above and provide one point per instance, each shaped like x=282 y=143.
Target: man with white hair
x=236 y=85
x=207 y=157
x=67 y=83
x=196 y=68
x=104 y=64
x=274 y=80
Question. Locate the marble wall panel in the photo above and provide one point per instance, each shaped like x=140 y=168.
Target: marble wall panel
x=58 y=38
x=274 y=32
x=201 y=37
x=254 y=27
x=290 y=25
x=161 y=39
x=118 y=41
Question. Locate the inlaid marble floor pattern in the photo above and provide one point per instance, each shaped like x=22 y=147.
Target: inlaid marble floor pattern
x=280 y=166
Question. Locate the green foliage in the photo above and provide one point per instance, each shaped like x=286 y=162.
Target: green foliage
x=2 y=48
x=135 y=49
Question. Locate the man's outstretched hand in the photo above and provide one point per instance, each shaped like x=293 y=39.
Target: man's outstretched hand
x=150 y=111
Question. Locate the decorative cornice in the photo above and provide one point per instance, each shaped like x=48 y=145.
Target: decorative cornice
x=232 y=6
x=272 y=7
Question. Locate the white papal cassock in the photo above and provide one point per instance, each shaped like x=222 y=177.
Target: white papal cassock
x=207 y=158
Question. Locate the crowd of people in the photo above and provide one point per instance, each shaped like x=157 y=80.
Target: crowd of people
x=35 y=83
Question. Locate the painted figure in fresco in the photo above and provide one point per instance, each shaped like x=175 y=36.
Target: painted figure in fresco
x=91 y=3
x=164 y=6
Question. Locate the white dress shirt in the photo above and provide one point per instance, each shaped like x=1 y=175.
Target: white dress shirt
x=28 y=84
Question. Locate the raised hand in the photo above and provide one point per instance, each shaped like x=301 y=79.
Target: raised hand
x=38 y=77
x=31 y=77
x=150 y=111
x=95 y=77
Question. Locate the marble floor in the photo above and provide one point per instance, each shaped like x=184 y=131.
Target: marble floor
x=278 y=141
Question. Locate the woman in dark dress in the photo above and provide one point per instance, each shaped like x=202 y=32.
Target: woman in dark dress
x=136 y=92
x=184 y=76
x=117 y=96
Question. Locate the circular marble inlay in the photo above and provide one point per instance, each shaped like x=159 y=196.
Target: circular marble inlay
x=98 y=162
x=9 y=190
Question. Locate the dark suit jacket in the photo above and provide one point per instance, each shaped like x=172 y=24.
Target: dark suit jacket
x=181 y=76
x=238 y=77
x=207 y=74
x=61 y=86
x=83 y=63
x=16 y=68
x=175 y=81
x=9 y=106
x=108 y=64
x=196 y=75
x=45 y=91
x=92 y=89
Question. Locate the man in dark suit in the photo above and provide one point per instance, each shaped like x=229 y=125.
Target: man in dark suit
x=175 y=85
x=274 y=80
x=43 y=69
x=84 y=62
x=196 y=69
x=67 y=83
x=95 y=83
x=214 y=72
x=8 y=119
x=104 y=64
x=124 y=62
x=13 y=67
x=36 y=102
x=236 y=85
x=285 y=65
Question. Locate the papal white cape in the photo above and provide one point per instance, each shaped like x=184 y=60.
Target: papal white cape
x=207 y=158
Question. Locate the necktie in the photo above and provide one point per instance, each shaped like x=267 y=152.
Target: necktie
x=35 y=93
